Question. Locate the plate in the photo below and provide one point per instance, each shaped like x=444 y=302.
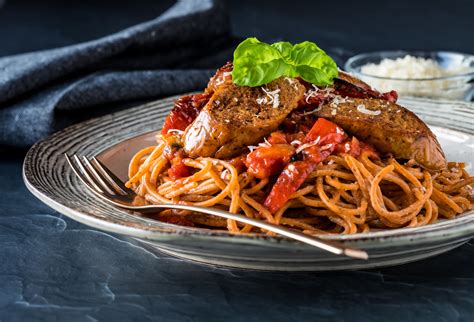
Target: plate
x=116 y=137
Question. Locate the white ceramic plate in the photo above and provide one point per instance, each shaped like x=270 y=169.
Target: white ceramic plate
x=115 y=138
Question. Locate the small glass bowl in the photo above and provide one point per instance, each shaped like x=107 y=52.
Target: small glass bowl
x=453 y=87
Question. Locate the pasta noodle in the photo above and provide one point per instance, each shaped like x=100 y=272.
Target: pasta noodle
x=344 y=195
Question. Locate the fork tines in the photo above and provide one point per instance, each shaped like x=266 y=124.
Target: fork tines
x=97 y=177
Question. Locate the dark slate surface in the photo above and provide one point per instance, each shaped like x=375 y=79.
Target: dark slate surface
x=54 y=269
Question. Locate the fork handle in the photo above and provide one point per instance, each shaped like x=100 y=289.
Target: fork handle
x=330 y=246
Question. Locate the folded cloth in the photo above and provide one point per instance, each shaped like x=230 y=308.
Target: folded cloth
x=43 y=91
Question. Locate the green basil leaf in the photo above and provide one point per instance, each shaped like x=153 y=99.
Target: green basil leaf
x=313 y=76
x=248 y=73
x=257 y=63
x=313 y=64
x=284 y=48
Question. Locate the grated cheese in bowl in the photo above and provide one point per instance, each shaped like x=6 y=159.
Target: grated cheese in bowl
x=436 y=75
x=411 y=67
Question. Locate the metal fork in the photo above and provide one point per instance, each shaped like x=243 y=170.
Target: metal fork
x=107 y=186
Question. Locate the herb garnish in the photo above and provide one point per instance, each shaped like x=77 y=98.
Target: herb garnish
x=257 y=63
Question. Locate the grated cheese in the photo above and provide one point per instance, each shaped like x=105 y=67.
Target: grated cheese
x=347 y=147
x=304 y=146
x=307 y=145
x=338 y=99
x=225 y=174
x=175 y=131
x=272 y=97
x=296 y=142
x=410 y=67
x=361 y=108
x=266 y=141
x=292 y=82
x=327 y=146
x=470 y=190
x=222 y=79
x=310 y=93
x=317 y=109
x=262 y=144
x=418 y=76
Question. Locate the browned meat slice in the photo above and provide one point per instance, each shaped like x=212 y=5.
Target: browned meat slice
x=347 y=85
x=221 y=76
x=389 y=127
x=353 y=80
x=238 y=116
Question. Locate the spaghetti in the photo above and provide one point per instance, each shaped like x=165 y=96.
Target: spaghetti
x=344 y=194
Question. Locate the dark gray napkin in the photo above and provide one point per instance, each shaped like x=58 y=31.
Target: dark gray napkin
x=44 y=91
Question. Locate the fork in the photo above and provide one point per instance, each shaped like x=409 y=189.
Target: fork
x=107 y=186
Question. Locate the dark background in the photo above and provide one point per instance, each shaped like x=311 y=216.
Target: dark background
x=54 y=269
x=355 y=26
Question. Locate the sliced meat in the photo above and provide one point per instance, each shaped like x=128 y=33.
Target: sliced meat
x=389 y=127
x=187 y=108
x=344 y=85
x=222 y=75
x=238 y=116
x=347 y=85
x=354 y=81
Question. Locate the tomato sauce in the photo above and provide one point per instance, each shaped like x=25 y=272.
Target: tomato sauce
x=266 y=161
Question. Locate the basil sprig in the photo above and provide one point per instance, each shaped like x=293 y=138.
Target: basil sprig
x=257 y=63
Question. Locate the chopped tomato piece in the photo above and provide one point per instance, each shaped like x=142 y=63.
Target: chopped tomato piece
x=355 y=148
x=266 y=161
x=179 y=169
x=316 y=154
x=351 y=147
x=325 y=132
x=287 y=183
x=184 y=112
x=298 y=136
x=277 y=138
x=324 y=137
x=239 y=162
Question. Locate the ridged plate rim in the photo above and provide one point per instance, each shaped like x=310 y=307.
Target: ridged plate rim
x=450 y=115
